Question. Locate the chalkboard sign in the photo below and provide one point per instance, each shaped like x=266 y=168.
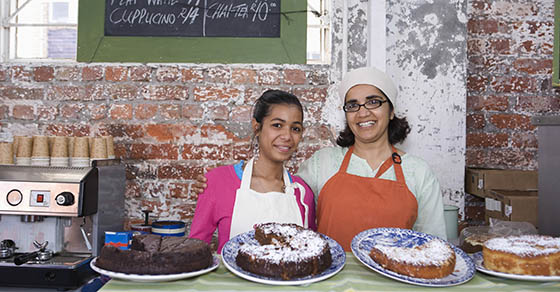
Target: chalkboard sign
x=193 y=18
x=221 y=40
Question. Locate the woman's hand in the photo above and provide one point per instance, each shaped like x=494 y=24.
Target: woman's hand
x=199 y=185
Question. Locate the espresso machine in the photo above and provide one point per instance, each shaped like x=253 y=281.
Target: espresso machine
x=52 y=222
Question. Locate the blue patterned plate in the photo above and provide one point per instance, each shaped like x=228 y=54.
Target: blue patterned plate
x=479 y=262
x=365 y=240
x=155 y=278
x=230 y=249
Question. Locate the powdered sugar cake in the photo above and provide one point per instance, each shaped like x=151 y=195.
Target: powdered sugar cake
x=285 y=251
x=433 y=259
x=524 y=255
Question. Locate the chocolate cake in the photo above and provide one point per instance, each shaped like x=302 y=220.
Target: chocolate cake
x=285 y=251
x=154 y=255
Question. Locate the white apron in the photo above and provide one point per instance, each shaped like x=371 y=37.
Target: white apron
x=252 y=207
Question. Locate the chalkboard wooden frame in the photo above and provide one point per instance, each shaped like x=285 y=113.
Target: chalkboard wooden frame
x=556 y=59
x=94 y=46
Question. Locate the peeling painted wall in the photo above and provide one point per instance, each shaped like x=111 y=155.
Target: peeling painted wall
x=426 y=56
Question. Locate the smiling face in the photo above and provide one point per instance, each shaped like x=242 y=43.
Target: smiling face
x=280 y=132
x=368 y=125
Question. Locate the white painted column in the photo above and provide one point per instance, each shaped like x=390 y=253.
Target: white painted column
x=377 y=36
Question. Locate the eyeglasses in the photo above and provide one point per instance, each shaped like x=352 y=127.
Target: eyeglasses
x=370 y=104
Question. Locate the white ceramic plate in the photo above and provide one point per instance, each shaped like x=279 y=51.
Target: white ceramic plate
x=230 y=249
x=365 y=240
x=154 y=278
x=479 y=263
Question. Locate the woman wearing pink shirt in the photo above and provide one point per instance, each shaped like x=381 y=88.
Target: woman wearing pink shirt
x=261 y=190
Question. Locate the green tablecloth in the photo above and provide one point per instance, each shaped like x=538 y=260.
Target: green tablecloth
x=354 y=277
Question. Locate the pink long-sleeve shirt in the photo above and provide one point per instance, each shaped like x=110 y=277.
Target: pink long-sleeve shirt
x=214 y=207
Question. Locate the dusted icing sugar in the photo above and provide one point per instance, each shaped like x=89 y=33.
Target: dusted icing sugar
x=525 y=245
x=434 y=252
x=299 y=245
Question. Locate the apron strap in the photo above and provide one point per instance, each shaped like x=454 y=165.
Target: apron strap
x=346 y=160
x=394 y=160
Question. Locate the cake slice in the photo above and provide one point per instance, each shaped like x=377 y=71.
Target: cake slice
x=433 y=259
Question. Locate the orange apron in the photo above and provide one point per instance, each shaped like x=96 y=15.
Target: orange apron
x=349 y=204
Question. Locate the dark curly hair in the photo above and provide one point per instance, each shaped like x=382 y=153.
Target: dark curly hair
x=398 y=130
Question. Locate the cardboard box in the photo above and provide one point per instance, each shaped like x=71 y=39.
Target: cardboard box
x=506 y=205
x=120 y=240
x=478 y=181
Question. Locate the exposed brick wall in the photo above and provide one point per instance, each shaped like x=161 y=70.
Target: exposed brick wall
x=510 y=46
x=170 y=122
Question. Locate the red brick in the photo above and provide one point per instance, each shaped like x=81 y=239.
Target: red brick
x=534 y=66
x=68 y=130
x=67 y=73
x=17 y=92
x=512 y=121
x=66 y=92
x=489 y=103
x=185 y=211
x=168 y=132
x=513 y=84
x=145 y=111
x=215 y=93
x=180 y=191
x=95 y=91
x=546 y=49
x=507 y=158
x=141 y=171
x=318 y=77
x=218 y=113
x=311 y=94
x=507 y=8
x=482 y=26
x=252 y=94
x=218 y=132
x=313 y=113
x=159 y=151
x=121 y=111
x=206 y=151
x=43 y=73
x=499 y=46
x=179 y=171
x=23 y=112
x=155 y=189
x=524 y=140
x=477 y=83
x=98 y=111
x=21 y=73
x=487 y=140
x=71 y=111
x=243 y=76
x=241 y=113
x=4 y=111
x=531 y=28
x=242 y=151
x=116 y=73
x=166 y=92
x=170 y=111
x=140 y=73
x=167 y=74
x=123 y=131
x=4 y=74
x=192 y=111
x=92 y=73
x=480 y=7
x=476 y=46
x=526 y=46
x=476 y=121
x=192 y=75
x=538 y=104
x=123 y=91
x=218 y=75
x=269 y=78
x=294 y=76
x=133 y=190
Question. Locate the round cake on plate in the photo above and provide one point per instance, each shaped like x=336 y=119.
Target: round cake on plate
x=524 y=255
x=152 y=254
x=285 y=251
x=433 y=259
